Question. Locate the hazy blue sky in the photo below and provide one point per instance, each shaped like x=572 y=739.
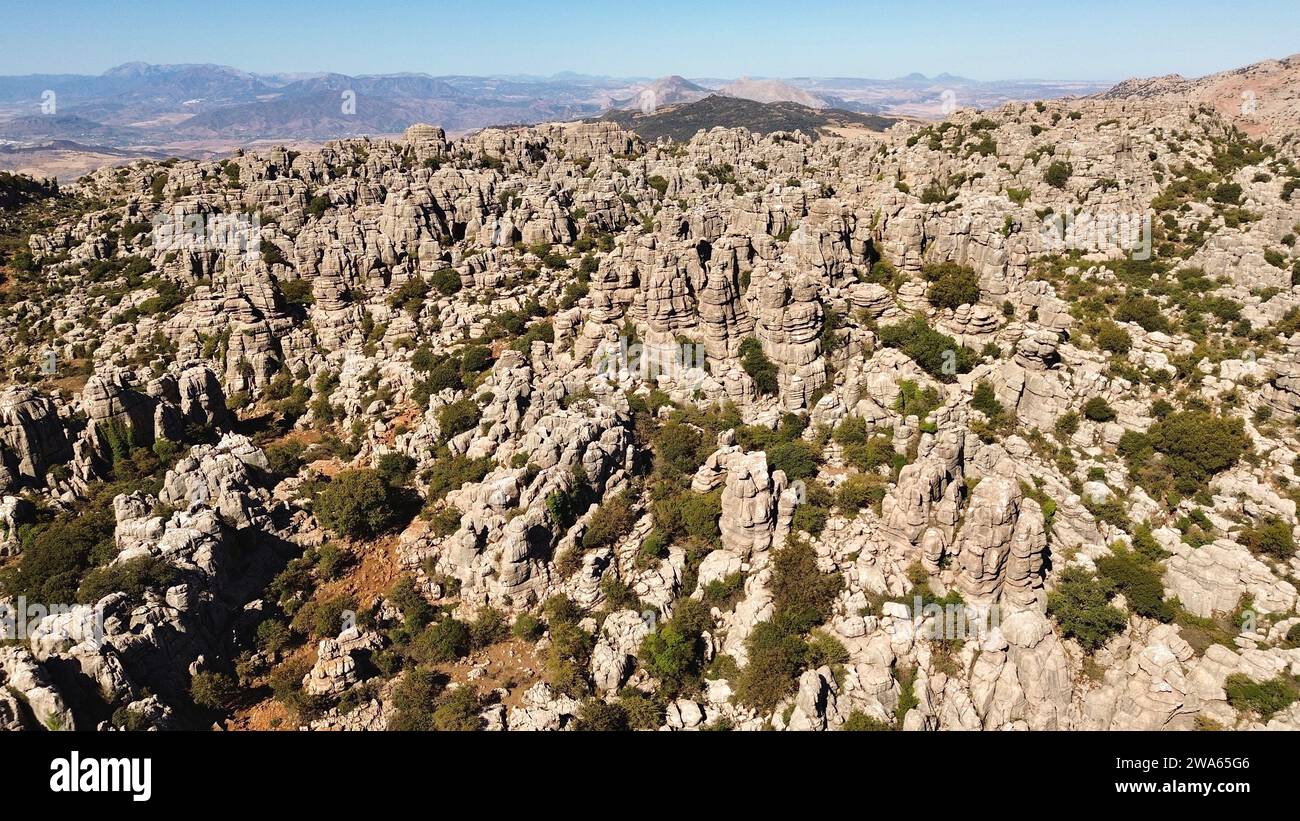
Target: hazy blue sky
x=983 y=39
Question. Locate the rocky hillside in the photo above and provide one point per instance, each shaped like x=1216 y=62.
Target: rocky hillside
x=1262 y=99
x=556 y=427
x=773 y=91
x=666 y=91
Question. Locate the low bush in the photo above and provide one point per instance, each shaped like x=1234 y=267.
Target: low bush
x=356 y=503
x=1081 y=606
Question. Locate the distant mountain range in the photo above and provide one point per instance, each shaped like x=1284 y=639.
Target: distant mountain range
x=201 y=109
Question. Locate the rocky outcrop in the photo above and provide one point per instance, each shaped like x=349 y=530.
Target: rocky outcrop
x=32 y=438
x=613 y=657
x=1215 y=577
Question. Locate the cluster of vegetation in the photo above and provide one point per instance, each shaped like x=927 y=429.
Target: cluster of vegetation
x=1265 y=698
x=1082 y=609
x=997 y=421
x=951 y=285
x=866 y=451
x=936 y=353
x=761 y=369
x=780 y=648
x=1192 y=446
x=361 y=503
x=64 y=556
x=674 y=652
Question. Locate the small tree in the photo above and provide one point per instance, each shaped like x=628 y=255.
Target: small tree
x=1272 y=538
x=212 y=690
x=951 y=285
x=1139 y=580
x=1098 y=409
x=597 y=716
x=443 y=641
x=355 y=504
x=458 y=417
x=1081 y=606
x=1112 y=338
x=986 y=401
x=1198 y=444
x=446 y=280
x=458 y=710
x=1058 y=174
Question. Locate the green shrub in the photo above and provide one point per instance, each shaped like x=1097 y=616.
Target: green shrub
x=985 y=401
x=612 y=521
x=1081 y=606
x=442 y=641
x=761 y=369
x=1140 y=582
x=852 y=431
x=1198 y=444
x=775 y=659
x=132 y=577
x=671 y=656
x=595 y=715
x=823 y=649
x=860 y=722
x=1265 y=698
x=318 y=205
x=410 y=295
x=701 y=513
x=802 y=594
x=297 y=291
x=395 y=469
x=1098 y=409
x=451 y=472
x=355 y=504
x=415 y=698
x=951 y=285
x=1111 y=338
x=810 y=518
x=273 y=635
x=1144 y=311
x=1067 y=424
x=643 y=712
x=876 y=451
x=859 y=491
x=1271 y=538
x=488 y=627
x=913 y=400
x=798 y=458
x=1227 y=193
x=475 y=358
x=724 y=593
x=446 y=280
x=1058 y=174
x=457 y=710
x=286 y=685
x=213 y=690
x=527 y=627
x=680 y=447
x=568 y=659
x=458 y=417
x=324 y=618
x=936 y=353
x=56 y=555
